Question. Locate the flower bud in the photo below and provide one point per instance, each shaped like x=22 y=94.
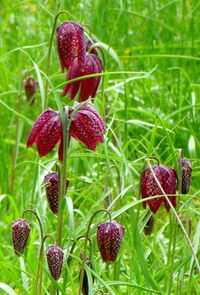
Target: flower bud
x=109 y=239
x=20 y=234
x=55 y=256
x=51 y=182
x=186 y=174
x=30 y=85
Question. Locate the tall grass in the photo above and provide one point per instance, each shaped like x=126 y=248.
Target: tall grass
x=150 y=100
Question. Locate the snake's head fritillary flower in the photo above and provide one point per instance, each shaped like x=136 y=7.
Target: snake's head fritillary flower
x=186 y=174
x=30 y=85
x=109 y=239
x=71 y=44
x=88 y=86
x=55 y=256
x=20 y=234
x=51 y=182
x=85 y=286
x=149 y=187
x=87 y=126
x=46 y=132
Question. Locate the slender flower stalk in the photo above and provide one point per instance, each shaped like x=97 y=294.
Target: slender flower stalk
x=62 y=173
x=85 y=247
x=38 y=281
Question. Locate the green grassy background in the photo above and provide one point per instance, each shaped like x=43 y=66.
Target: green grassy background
x=150 y=102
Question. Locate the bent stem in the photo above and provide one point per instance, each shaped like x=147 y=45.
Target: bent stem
x=177 y=217
x=85 y=246
x=39 y=269
x=49 y=55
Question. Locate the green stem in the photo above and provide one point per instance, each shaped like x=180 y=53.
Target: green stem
x=85 y=246
x=62 y=173
x=39 y=269
x=175 y=226
x=49 y=56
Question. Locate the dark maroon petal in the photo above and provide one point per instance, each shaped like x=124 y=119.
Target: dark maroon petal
x=92 y=125
x=20 y=235
x=97 y=79
x=51 y=182
x=55 y=256
x=109 y=239
x=149 y=187
x=70 y=44
x=30 y=85
x=77 y=130
x=87 y=126
x=91 y=109
x=169 y=186
x=39 y=124
x=60 y=151
x=87 y=85
x=74 y=72
x=186 y=174
x=49 y=136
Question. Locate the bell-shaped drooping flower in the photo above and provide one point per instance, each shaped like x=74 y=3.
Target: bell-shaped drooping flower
x=30 y=85
x=87 y=126
x=71 y=44
x=186 y=174
x=55 y=256
x=149 y=187
x=88 y=86
x=109 y=239
x=51 y=182
x=20 y=234
x=46 y=132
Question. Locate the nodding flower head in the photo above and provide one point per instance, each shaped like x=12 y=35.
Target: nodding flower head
x=30 y=85
x=54 y=256
x=20 y=235
x=149 y=187
x=51 y=182
x=46 y=132
x=109 y=239
x=88 y=86
x=86 y=126
x=186 y=174
x=71 y=44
